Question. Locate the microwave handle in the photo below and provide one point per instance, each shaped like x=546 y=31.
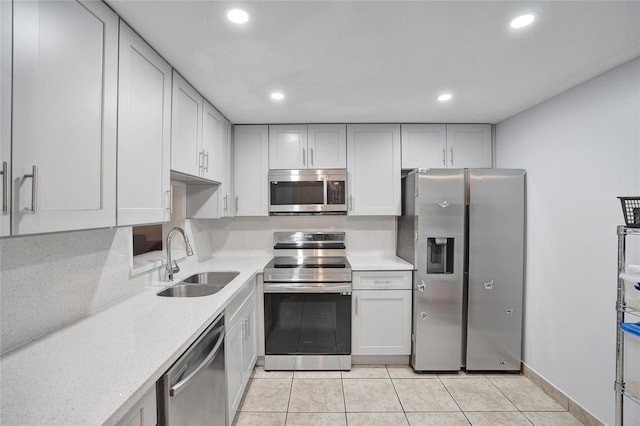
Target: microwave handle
x=325 y=186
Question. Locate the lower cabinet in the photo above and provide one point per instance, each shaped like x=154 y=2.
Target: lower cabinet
x=240 y=347
x=381 y=323
x=143 y=413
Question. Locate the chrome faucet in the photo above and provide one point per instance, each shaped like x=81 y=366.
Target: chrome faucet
x=172 y=266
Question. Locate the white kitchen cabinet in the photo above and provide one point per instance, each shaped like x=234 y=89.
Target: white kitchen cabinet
x=424 y=145
x=186 y=128
x=5 y=117
x=313 y=146
x=381 y=321
x=446 y=146
x=143 y=413
x=240 y=346
x=250 y=170
x=65 y=76
x=214 y=201
x=144 y=132
x=327 y=146
x=469 y=145
x=288 y=146
x=212 y=158
x=373 y=165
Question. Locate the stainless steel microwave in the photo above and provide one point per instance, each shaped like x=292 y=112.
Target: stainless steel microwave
x=308 y=191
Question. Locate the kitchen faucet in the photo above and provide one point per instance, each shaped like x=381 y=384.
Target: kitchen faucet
x=172 y=266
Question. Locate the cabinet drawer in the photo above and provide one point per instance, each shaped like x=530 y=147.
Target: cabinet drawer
x=234 y=307
x=380 y=280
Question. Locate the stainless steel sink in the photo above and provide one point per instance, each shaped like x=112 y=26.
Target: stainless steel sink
x=198 y=285
x=212 y=278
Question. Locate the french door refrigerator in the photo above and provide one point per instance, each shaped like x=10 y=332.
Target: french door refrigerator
x=463 y=230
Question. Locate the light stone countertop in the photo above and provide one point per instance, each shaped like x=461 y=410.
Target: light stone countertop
x=380 y=262
x=94 y=371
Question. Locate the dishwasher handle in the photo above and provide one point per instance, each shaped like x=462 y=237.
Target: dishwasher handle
x=184 y=383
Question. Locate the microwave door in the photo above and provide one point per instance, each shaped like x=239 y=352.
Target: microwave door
x=297 y=196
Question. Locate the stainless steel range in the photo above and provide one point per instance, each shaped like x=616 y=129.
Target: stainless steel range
x=307 y=303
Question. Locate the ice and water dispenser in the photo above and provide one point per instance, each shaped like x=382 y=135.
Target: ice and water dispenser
x=440 y=255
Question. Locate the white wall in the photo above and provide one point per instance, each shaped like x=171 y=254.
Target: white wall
x=581 y=149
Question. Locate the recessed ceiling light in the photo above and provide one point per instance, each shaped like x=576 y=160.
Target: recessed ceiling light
x=445 y=97
x=522 y=21
x=277 y=96
x=237 y=16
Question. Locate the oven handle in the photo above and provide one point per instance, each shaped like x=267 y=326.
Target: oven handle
x=308 y=288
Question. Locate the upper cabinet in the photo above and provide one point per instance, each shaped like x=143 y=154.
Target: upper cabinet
x=317 y=146
x=186 y=128
x=144 y=132
x=65 y=75
x=196 y=128
x=469 y=145
x=250 y=170
x=373 y=164
x=5 y=117
x=446 y=146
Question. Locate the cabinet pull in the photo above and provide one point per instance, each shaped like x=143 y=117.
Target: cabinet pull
x=304 y=157
x=311 y=154
x=225 y=204
x=206 y=161
x=356 y=305
x=451 y=151
x=34 y=188
x=444 y=157
x=168 y=201
x=236 y=204
x=350 y=207
x=5 y=181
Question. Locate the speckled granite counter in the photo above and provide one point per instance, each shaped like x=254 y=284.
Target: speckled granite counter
x=378 y=263
x=95 y=370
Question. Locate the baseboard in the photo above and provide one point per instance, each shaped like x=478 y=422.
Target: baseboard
x=576 y=410
x=380 y=359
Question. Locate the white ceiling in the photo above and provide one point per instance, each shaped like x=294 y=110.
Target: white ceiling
x=385 y=61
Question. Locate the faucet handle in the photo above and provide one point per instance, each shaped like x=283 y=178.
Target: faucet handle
x=175 y=268
x=187 y=245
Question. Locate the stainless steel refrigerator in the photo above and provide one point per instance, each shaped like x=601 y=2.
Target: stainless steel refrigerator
x=463 y=230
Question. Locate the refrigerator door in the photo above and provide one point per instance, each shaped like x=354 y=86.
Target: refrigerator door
x=496 y=269
x=438 y=279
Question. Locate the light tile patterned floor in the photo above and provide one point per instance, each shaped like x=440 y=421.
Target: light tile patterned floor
x=395 y=395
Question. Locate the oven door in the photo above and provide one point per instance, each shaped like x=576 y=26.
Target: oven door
x=307 y=319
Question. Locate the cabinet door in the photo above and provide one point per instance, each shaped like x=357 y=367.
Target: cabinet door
x=373 y=163
x=65 y=76
x=327 y=146
x=224 y=191
x=144 y=132
x=233 y=367
x=424 y=145
x=469 y=145
x=381 y=322
x=288 y=146
x=186 y=116
x=5 y=117
x=249 y=341
x=211 y=143
x=250 y=170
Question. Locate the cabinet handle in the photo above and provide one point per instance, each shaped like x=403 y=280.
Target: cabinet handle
x=206 y=161
x=451 y=151
x=34 y=188
x=169 y=201
x=304 y=157
x=225 y=204
x=356 y=305
x=444 y=157
x=236 y=204
x=200 y=161
x=311 y=153
x=5 y=181
x=247 y=328
x=243 y=333
x=350 y=207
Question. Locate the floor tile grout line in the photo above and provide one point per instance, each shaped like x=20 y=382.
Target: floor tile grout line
x=397 y=396
x=454 y=399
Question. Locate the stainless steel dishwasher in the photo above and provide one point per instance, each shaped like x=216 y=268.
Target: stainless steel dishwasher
x=193 y=391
